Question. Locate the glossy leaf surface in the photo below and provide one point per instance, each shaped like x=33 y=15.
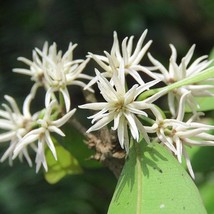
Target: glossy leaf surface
x=152 y=181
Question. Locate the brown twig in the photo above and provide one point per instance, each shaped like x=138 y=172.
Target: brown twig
x=105 y=145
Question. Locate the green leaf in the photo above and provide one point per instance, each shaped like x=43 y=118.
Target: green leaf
x=152 y=181
x=65 y=165
x=205 y=103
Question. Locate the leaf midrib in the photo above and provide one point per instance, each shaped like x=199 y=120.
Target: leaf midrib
x=139 y=180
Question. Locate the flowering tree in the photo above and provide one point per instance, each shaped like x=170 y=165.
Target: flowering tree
x=132 y=134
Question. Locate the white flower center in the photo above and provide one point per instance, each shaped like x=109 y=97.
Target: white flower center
x=119 y=106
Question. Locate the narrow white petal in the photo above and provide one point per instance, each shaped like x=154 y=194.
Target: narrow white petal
x=190 y=133
x=129 y=46
x=61 y=121
x=4 y=114
x=151 y=129
x=117 y=121
x=188 y=163
x=135 y=75
x=146 y=86
x=99 y=62
x=106 y=88
x=138 y=46
x=48 y=96
x=175 y=122
x=175 y=68
x=183 y=69
x=25 y=60
x=147 y=71
x=92 y=82
x=28 y=99
x=206 y=136
x=99 y=115
x=142 y=130
x=66 y=97
x=121 y=131
x=23 y=71
x=24 y=142
x=13 y=104
x=189 y=54
x=156 y=96
x=7 y=136
x=40 y=157
x=130 y=95
x=50 y=144
x=179 y=148
x=167 y=141
x=6 y=125
x=162 y=69
x=101 y=123
x=124 y=51
x=171 y=103
x=198 y=142
x=133 y=109
x=181 y=108
x=141 y=53
x=81 y=84
x=174 y=52
x=115 y=48
x=132 y=125
x=94 y=106
x=56 y=130
x=27 y=157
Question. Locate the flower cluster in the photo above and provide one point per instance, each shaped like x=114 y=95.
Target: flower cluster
x=55 y=72
x=126 y=112
x=129 y=110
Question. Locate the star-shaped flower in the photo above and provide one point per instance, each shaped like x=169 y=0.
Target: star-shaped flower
x=176 y=134
x=120 y=107
x=55 y=71
x=42 y=134
x=123 y=56
x=177 y=72
x=16 y=125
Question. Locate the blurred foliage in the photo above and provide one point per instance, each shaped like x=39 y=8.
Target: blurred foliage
x=27 y=24
x=66 y=164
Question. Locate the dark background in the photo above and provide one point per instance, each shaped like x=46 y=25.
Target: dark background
x=27 y=24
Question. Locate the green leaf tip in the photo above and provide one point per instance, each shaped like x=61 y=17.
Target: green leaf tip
x=152 y=181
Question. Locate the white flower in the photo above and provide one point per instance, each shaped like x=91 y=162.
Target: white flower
x=55 y=71
x=181 y=71
x=43 y=136
x=177 y=134
x=16 y=125
x=120 y=107
x=125 y=57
